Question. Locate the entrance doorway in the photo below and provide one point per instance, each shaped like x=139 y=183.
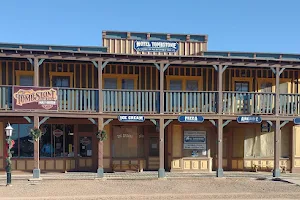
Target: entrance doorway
x=87 y=152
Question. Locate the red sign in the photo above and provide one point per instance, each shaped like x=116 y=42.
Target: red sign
x=35 y=98
x=58 y=133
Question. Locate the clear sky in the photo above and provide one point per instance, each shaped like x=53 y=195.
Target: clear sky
x=231 y=25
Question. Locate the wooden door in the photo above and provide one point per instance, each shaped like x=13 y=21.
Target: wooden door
x=87 y=152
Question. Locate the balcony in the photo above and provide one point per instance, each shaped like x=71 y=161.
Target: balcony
x=176 y=102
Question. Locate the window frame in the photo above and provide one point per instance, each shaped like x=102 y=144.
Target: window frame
x=20 y=73
x=242 y=79
x=273 y=81
x=60 y=74
x=184 y=79
x=119 y=78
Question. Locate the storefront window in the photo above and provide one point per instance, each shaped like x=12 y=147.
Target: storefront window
x=24 y=146
x=128 y=142
x=57 y=141
x=194 y=143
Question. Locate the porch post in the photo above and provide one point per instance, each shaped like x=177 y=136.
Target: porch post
x=36 y=170
x=100 y=87
x=161 y=88
x=161 y=171
x=277 y=134
x=220 y=123
x=36 y=71
x=100 y=171
x=277 y=149
x=220 y=148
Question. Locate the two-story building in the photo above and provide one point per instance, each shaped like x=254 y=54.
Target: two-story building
x=164 y=101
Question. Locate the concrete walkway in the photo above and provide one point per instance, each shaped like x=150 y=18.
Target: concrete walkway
x=288 y=177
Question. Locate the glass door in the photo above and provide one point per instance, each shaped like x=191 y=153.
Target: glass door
x=242 y=97
x=87 y=152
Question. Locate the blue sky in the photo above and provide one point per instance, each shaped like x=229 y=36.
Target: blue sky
x=231 y=25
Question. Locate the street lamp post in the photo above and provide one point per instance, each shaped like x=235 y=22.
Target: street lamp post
x=9 y=141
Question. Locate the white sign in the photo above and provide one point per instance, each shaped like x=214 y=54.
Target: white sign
x=194 y=140
x=194 y=146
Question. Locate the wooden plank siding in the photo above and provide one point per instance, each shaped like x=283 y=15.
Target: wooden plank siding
x=84 y=77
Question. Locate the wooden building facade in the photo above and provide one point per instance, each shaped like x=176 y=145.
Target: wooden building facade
x=164 y=101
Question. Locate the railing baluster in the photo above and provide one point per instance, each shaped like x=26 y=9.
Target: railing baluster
x=198 y=103
x=131 y=102
x=135 y=101
x=146 y=102
x=93 y=100
x=225 y=103
x=150 y=102
x=206 y=102
x=288 y=104
x=194 y=102
x=187 y=97
x=143 y=101
x=202 y=102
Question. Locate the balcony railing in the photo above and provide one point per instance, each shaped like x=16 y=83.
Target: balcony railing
x=5 y=97
x=137 y=101
x=70 y=99
x=147 y=102
x=289 y=104
x=248 y=103
x=190 y=102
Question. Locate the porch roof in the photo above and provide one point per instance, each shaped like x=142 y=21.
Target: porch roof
x=93 y=53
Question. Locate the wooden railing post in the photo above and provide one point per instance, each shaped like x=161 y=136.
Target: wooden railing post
x=100 y=86
x=161 y=88
x=36 y=71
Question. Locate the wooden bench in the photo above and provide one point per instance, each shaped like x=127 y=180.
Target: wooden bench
x=129 y=165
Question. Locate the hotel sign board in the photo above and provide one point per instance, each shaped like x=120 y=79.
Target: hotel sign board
x=249 y=119
x=131 y=118
x=34 y=98
x=193 y=119
x=155 y=46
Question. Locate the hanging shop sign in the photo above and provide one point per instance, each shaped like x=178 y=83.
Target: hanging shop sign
x=58 y=133
x=265 y=127
x=194 y=119
x=297 y=120
x=194 y=140
x=85 y=141
x=249 y=119
x=35 y=98
x=156 y=46
x=131 y=118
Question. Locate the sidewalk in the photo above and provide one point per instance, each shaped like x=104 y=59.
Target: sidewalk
x=150 y=175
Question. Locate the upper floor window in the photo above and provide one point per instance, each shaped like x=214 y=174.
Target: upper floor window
x=186 y=83
x=61 y=79
x=242 y=86
x=114 y=81
x=24 y=78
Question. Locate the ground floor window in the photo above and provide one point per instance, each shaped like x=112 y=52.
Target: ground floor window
x=128 y=142
x=57 y=140
x=251 y=143
x=194 y=143
x=24 y=146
